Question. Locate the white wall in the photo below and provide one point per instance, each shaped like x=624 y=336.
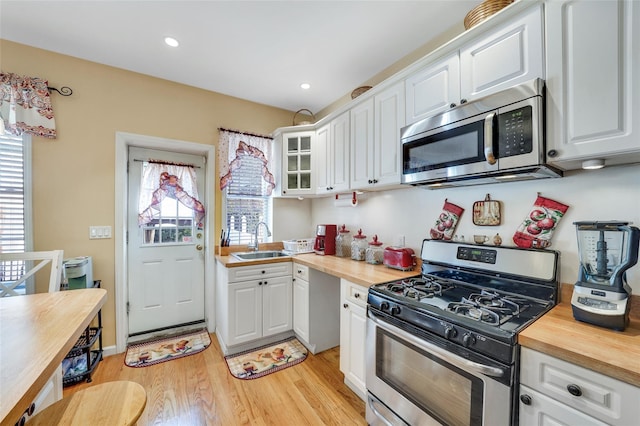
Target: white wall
x=607 y=194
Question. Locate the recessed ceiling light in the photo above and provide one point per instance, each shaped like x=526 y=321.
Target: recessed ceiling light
x=171 y=42
x=305 y=86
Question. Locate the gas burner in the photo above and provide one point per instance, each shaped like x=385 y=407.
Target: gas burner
x=495 y=301
x=475 y=312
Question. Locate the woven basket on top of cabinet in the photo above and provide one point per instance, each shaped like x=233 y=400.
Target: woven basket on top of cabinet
x=483 y=11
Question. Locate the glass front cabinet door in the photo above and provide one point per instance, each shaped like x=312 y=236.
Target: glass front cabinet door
x=297 y=151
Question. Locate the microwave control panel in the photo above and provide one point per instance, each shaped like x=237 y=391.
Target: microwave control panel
x=515 y=130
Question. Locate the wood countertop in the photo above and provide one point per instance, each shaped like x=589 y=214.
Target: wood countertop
x=37 y=331
x=612 y=353
x=359 y=272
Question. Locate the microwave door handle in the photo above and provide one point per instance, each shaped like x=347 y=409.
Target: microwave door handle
x=488 y=138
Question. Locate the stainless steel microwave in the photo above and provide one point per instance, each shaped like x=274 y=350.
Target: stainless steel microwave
x=494 y=139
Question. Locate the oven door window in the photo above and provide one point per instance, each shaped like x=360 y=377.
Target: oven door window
x=447 y=393
x=462 y=144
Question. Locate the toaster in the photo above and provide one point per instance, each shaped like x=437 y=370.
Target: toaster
x=401 y=258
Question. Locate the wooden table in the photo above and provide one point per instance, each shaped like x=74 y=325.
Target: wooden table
x=36 y=333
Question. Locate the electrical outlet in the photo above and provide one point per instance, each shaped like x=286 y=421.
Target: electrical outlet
x=99 y=232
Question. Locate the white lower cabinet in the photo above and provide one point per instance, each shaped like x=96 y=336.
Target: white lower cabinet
x=51 y=392
x=316 y=298
x=556 y=392
x=353 y=328
x=253 y=302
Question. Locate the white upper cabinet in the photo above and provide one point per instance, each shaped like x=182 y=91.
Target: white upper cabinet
x=504 y=56
x=362 y=144
x=332 y=156
x=297 y=173
x=434 y=89
x=593 y=82
x=375 y=140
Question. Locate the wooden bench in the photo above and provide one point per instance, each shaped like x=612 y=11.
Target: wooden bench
x=109 y=404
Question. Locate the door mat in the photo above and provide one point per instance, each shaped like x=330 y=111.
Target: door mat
x=166 y=349
x=268 y=359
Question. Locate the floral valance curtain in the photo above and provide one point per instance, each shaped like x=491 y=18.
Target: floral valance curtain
x=168 y=180
x=25 y=106
x=233 y=146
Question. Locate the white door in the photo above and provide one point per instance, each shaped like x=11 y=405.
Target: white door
x=165 y=257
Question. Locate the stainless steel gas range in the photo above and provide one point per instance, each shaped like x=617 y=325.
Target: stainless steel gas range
x=442 y=347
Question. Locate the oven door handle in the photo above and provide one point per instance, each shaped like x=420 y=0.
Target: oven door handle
x=442 y=353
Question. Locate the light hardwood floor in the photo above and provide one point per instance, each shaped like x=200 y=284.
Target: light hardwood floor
x=199 y=390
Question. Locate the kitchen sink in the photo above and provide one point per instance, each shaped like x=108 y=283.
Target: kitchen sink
x=264 y=254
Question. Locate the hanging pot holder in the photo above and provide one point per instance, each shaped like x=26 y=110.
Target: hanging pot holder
x=487 y=212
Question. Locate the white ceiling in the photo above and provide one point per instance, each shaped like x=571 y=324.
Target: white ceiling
x=255 y=50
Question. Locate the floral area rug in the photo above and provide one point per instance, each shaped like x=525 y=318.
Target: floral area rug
x=166 y=349
x=266 y=360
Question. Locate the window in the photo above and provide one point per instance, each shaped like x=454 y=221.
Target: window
x=15 y=204
x=247 y=202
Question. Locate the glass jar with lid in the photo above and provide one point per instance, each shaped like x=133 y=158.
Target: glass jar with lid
x=375 y=253
x=343 y=242
x=359 y=246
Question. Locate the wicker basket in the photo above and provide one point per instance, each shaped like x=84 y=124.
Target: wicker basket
x=359 y=91
x=302 y=123
x=483 y=11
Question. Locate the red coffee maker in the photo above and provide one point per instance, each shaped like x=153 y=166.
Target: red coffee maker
x=325 y=239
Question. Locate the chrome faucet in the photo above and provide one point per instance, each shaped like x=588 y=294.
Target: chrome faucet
x=254 y=245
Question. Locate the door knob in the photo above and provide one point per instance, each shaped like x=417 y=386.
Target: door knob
x=199 y=247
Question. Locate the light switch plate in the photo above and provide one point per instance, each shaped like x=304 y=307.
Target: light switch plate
x=99 y=232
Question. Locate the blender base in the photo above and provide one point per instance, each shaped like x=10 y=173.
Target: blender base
x=615 y=322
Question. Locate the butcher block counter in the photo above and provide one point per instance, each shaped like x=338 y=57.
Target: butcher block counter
x=358 y=272
x=613 y=353
x=37 y=332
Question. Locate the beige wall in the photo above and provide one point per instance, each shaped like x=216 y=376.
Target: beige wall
x=74 y=175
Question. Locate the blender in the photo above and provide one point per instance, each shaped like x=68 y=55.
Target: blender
x=601 y=295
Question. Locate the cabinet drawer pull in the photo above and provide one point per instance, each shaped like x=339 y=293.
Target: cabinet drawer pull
x=525 y=399
x=574 y=390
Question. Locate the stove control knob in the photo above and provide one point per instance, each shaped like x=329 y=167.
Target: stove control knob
x=384 y=306
x=468 y=340
x=395 y=310
x=449 y=332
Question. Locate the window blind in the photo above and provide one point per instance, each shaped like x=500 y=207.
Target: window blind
x=12 y=205
x=247 y=202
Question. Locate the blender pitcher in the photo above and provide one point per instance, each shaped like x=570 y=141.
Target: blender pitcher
x=606 y=250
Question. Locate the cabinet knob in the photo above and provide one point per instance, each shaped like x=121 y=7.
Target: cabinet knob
x=452 y=105
x=299 y=271
x=263 y=272
x=525 y=399
x=370 y=181
x=357 y=295
x=574 y=390
x=552 y=153
x=259 y=282
x=344 y=305
x=265 y=283
x=463 y=101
